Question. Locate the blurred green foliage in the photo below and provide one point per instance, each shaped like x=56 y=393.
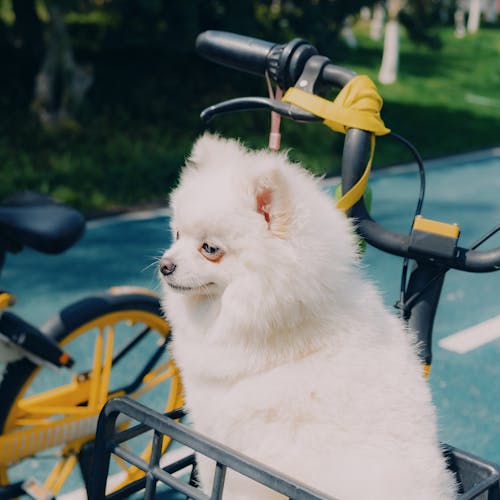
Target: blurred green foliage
x=138 y=120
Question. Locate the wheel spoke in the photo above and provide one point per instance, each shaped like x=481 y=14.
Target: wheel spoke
x=60 y=474
x=101 y=369
x=131 y=345
x=157 y=376
x=106 y=369
x=96 y=368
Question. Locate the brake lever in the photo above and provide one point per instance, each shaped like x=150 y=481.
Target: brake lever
x=250 y=103
x=307 y=81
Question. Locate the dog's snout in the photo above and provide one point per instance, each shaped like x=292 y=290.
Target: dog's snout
x=167 y=267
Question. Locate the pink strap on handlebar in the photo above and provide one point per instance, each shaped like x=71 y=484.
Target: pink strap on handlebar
x=274 y=134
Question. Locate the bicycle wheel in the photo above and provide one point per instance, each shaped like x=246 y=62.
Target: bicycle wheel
x=48 y=418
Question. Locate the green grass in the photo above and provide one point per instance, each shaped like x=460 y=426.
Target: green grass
x=435 y=100
x=141 y=117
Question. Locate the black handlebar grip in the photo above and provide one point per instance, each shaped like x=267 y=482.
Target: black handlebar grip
x=283 y=62
x=235 y=51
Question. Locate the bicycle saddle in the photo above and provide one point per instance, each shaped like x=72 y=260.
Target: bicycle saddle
x=34 y=220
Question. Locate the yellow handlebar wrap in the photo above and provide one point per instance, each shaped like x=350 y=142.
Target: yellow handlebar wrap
x=357 y=105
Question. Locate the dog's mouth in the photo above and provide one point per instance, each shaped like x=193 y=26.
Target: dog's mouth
x=198 y=288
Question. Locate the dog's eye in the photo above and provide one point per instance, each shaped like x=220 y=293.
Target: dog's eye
x=209 y=249
x=211 y=252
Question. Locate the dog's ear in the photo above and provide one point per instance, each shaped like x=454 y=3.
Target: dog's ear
x=272 y=202
x=203 y=148
x=212 y=148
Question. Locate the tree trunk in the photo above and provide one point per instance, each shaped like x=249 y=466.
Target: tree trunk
x=390 y=59
x=377 y=24
x=60 y=85
x=460 y=19
x=474 y=20
x=347 y=34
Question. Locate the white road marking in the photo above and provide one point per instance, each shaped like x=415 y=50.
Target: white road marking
x=473 y=337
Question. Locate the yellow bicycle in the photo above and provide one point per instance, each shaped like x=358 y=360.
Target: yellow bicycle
x=58 y=377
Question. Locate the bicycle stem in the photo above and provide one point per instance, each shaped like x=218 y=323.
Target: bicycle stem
x=425 y=285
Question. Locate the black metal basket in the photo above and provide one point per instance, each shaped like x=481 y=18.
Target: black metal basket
x=478 y=479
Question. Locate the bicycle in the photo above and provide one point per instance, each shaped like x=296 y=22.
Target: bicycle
x=431 y=245
x=54 y=383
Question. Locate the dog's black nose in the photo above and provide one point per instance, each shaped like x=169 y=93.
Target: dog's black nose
x=167 y=267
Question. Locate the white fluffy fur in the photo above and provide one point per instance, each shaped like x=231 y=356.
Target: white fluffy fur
x=287 y=353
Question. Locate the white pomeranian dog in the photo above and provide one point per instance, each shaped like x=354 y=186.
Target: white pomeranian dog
x=286 y=352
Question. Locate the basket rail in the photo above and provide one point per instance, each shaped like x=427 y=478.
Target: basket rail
x=109 y=441
x=478 y=479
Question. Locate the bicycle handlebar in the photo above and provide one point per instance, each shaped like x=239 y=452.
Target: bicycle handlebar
x=236 y=51
x=284 y=64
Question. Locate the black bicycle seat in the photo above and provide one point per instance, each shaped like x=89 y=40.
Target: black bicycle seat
x=37 y=221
